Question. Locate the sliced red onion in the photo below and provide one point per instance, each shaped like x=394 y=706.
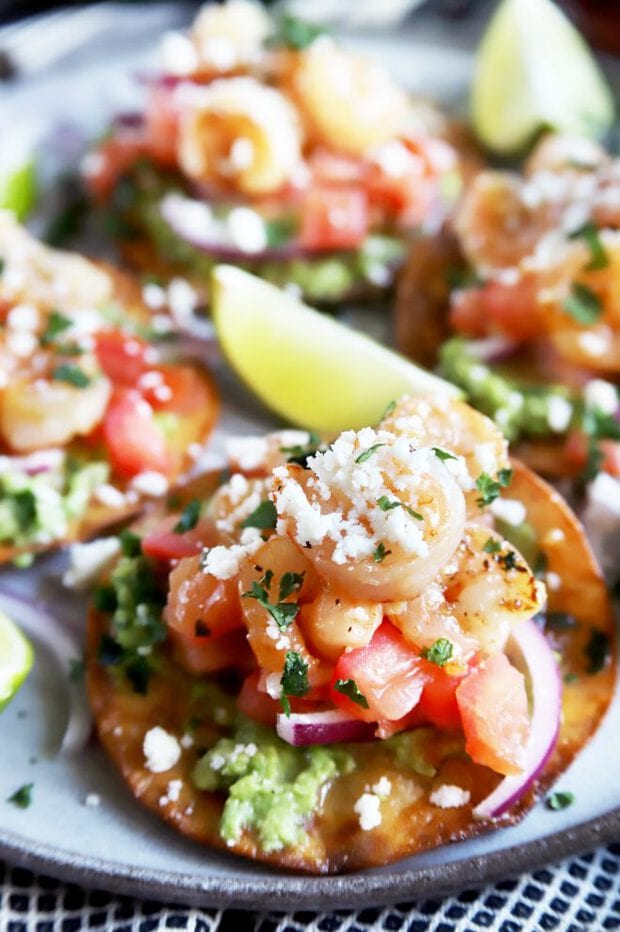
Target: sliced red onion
x=34 y=463
x=131 y=120
x=302 y=729
x=492 y=349
x=34 y=619
x=529 y=645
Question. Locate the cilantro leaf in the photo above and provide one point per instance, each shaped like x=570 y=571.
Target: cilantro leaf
x=72 y=375
x=380 y=553
x=104 y=599
x=440 y=652
x=560 y=800
x=350 y=689
x=279 y=231
x=57 y=323
x=189 y=517
x=22 y=798
x=509 y=559
x=290 y=582
x=263 y=517
x=294 y=680
x=24 y=508
x=492 y=546
x=589 y=233
x=385 y=504
x=442 y=454
x=363 y=457
x=583 y=304
x=490 y=488
x=300 y=453
x=131 y=544
x=390 y=408
x=283 y=613
x=295 y=33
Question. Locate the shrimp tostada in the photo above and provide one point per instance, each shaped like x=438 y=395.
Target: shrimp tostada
x=92 y=421
x=523 y=289
x=348 y=654
x=269 y=145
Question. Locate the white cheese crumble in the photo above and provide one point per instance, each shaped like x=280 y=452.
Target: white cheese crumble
x=559 y=413
x=150 y=483
x=594 y=344
x=553 y=581
x=224 y=562
x=172 y=794
x=382 y=787
x=247 y=229
x=368 y=808
x=510 y=510
x=88 y=560
x=600 y=395
x=449 y=796
x=161 y=750
x=187 y=741
x=108 y=495
x=178 y=53
x=92 y=801
x=246 y=453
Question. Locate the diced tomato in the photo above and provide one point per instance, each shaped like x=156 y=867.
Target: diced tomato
x=164 y=544
x=576 y=452
x=132 y=438
x=178 y=389
x=388 y=672
x=332 y=168
x=162 y=124
x=511 y=310
x=438 y=704
x=123 y=358
x=113 y=158
x=493 y=704
x=334 y=218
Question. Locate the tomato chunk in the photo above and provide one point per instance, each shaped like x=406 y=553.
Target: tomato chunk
x=133 y=440
x=122 y=357
x=438 y=704
x=511 y=310
x=164 y=544
x=388 y=672
x=334 y=218
x=493 y=704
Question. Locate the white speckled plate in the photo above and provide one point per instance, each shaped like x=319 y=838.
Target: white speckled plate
x=118 y=845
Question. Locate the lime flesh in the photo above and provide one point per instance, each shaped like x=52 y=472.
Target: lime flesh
x=16 y=658
x=18 y=190
x=306 y=366
x=533 y=71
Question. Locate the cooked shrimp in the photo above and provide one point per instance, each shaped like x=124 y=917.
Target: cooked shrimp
x=332 y=623
x=230 y=35
x=43 y=413
x=472 y=439
x=233 y=503
x=557 y=152
x=430 y=617
x=240 y=134
x=377 y=518
x=351 y=104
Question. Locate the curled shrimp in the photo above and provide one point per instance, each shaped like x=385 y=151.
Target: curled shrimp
x=232 y=505
x=475 y=600
x=230 y=35
x=350 y=103
x=240 y=134
x=332 y=623
x=470 y=442
x=377 y=518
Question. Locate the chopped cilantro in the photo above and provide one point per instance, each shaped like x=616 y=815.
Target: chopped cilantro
x=597 y=650
x=295 y=33
x=131 y=544
x=442 y=454
x=368 y=453
x=385 y=504
x=263 y=517
x=104 y=599
x=492 y=546
x=23 y=796
x=509 y=559
x=390 y=408
x=290 y=582
x=138 y=672
x=589 y=233
x=73 y=375
x=560 y=800
x=189 y=517
x=300 y=453
x=490 y=488
x=24 y=508
x=109 y=653
x=283 y=613
x=294 y=680
x=350 y=689
x=440 y=652
x=279 y=231
x=57 y=323
x=380 y=553
x=583 y=304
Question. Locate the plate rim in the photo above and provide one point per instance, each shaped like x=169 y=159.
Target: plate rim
x=285 y=891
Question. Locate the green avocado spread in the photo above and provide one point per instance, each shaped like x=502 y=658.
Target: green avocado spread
x=38 y=509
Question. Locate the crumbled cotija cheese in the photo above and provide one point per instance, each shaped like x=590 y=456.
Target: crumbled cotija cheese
x=510 y=510
x=368 y=808
x=559 y=413
x=449 y=796
x=161 y=750
x=150 y=483
x=224 y=562
x=86 y=561
x=600 y=395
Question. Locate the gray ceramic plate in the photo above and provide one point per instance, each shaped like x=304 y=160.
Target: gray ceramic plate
x=118 y=845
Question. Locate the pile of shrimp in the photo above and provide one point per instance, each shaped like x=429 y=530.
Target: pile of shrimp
x=384 y=523
x=533 y=240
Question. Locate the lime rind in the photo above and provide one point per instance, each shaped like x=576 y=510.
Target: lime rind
x=16 y=658
x=534 y=71
x=305 y=366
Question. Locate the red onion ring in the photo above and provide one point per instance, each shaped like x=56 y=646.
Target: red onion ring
x=43 y=628
x=303 y=729
x=492 y=349
x=529 y=644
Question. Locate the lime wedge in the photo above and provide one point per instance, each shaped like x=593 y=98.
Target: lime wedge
x=18 y=190
x=534 y=70
x=306 y=366
x=16 y=658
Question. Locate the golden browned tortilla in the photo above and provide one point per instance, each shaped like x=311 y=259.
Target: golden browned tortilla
x=410 y=823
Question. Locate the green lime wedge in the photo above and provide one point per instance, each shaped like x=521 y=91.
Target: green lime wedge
x=16 y=658
x=18 y=190
x=533 y=71
x=306 y=366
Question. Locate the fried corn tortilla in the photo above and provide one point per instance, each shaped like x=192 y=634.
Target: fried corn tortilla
x=334 y=841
